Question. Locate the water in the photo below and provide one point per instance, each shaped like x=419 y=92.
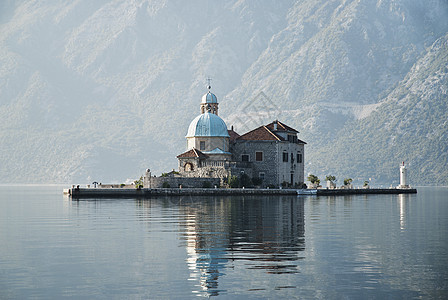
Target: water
x=353 y=247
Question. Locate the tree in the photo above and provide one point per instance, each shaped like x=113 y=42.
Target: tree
x=313 y=179
x=330 y=178
x=347 y=181
x=139 y=183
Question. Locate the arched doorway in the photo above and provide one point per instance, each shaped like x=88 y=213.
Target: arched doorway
x=188 y=167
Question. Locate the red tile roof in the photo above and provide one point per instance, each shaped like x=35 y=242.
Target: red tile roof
x=267 y=133
x=261 y=133
x=233 y=135
x=280 y=127
x=192 y=153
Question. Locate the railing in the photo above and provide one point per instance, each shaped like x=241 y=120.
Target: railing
x=214 y=163
x=225 y=164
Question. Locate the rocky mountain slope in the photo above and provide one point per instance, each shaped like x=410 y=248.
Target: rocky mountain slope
x=103 y=90
x=410 y=124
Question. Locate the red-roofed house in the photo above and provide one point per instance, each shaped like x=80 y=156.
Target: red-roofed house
x=272 y=153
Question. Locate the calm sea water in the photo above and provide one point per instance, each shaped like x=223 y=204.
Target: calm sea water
x=353 y=247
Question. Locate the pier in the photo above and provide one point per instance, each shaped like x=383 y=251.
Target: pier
x=80 y=192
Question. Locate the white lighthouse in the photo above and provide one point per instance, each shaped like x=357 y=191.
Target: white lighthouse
x=403 y=177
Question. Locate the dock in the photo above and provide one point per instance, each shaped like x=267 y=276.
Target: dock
x=90 y=192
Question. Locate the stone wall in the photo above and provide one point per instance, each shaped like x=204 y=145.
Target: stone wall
x=275 y=170
x=203 y=168
x=185 y=182
x=268 y=165
x=291 y=166
x=188 y=166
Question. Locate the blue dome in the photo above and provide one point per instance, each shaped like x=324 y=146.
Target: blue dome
x=207 y=124
x=209 y=98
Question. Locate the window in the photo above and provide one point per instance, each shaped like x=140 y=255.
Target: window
x=285 y=156
x=299 y=158
x=202 y=145
x=245 y=157
x=261 y=175
x=259 y=156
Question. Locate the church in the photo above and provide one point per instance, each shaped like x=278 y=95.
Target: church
x=268 y=156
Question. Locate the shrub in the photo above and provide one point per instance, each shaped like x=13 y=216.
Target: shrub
x=165 y=185
x=234 y=181
x=245 y=180
x=257 y=181
x=139 y=183
x=300 y=185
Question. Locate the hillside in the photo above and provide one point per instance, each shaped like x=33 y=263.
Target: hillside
x=410 y=124
x=102 y=90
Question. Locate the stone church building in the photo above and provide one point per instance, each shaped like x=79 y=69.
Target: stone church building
x=271 y=155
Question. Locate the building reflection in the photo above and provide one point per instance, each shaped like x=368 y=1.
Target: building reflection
x=206 y=235
x=265 y=233
x=402 y=203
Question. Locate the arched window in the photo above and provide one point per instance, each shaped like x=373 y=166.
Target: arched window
x=188 y=167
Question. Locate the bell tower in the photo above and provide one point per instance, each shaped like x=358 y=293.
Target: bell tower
x=209 y=101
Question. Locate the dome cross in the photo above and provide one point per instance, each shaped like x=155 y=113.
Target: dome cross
x=209 y=80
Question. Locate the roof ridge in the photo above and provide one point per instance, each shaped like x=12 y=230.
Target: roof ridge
x=281 y=124
x=271 y=133
x=197 y=152
x=285 y=127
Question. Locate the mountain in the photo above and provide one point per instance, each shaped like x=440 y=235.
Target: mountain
x=102 y=90
x=409 y=124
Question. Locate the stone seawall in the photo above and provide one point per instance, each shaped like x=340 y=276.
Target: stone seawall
x=148 y=193
x=186 y=182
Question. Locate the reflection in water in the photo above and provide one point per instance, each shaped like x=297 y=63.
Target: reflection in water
x=268 y=234
x=402 y=201
x=360 y=247
x=205 y=236
x=265 y=234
